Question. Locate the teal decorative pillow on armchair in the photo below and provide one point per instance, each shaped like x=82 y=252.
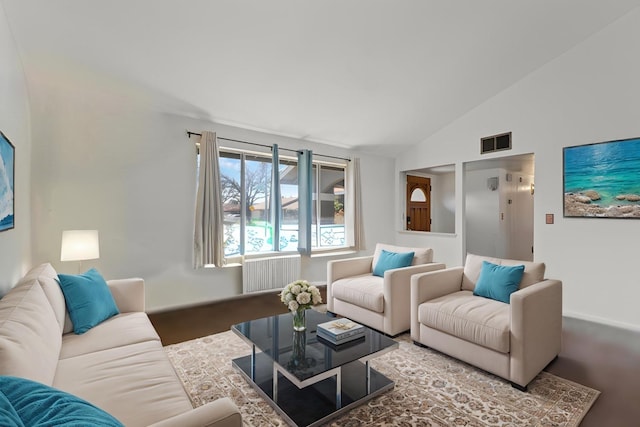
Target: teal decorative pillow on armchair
x=26 y=403
x=390 y=260
x=88 y=298
x=498 y=282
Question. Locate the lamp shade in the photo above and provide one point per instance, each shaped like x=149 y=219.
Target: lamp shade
x=78 y=245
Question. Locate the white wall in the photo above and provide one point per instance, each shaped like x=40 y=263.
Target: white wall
x=482 y=223
x=589 y=94
x=443 y=206
x=15 y=244
x=107 y=158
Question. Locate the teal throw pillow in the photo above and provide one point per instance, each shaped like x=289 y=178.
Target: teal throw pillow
x=38 y=405
x=498 y=282
x=88 y=298
x=390 y=260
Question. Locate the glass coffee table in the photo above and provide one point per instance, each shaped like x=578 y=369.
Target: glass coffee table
x=306 y=379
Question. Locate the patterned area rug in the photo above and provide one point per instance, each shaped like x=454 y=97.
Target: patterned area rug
x=431 y=390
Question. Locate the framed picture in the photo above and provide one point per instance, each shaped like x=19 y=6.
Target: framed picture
x=7 y=175
x=602 y=180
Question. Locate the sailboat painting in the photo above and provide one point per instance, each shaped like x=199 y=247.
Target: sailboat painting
x=7 y=175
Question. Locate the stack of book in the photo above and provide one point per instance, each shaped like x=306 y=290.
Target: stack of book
x=340 y=331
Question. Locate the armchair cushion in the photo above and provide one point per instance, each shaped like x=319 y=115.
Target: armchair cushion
x=365 y=291
x=390 y=260
x=420 y=255
x=533 y=271
x=478 y=320
x=498 y=282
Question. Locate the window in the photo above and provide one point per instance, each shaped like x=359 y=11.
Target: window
x=246 y=189
x=328 y=205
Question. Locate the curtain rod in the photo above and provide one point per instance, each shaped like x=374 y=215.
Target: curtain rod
x=189 y=133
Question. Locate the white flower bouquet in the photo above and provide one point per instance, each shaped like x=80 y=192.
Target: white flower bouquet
x=300 y=295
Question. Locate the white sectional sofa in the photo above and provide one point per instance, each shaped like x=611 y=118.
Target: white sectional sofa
x=118 y=365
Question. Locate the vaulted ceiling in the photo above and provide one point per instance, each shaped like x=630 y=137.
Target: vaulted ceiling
x=376 y=75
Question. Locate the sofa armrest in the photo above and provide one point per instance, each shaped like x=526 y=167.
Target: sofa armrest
x=431 y=285
x=397 y=295
x=128 y=294
x=340 y=268
x=219 y=413
x=536 y=329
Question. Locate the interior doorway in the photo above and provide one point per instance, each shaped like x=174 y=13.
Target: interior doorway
x=499 y=204
x=418 y=215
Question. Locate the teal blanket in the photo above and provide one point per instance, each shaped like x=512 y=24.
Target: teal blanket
x=25 y=403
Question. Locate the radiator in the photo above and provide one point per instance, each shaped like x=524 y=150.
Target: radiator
x=262 y=274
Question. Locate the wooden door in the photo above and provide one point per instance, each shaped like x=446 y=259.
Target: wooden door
x=418 y=203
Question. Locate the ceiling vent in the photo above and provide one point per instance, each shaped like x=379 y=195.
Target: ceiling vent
x=495 y=143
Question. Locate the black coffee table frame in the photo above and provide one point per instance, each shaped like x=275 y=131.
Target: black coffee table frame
x=306 y=380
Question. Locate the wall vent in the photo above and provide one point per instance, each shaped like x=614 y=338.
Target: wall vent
x=493 y=143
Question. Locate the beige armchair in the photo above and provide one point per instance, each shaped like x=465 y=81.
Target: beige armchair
x=381 y=303
x=514 y=341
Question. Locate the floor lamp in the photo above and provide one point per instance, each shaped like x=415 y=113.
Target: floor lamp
x=79 y=245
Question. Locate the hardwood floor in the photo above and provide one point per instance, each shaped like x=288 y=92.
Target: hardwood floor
x=606 y=359
x=599 y=356
x=200 y=321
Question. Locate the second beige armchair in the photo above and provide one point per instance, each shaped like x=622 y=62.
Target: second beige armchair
x=513 y=336
x=380 y=302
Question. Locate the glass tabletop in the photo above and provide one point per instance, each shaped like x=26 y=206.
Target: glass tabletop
x=301 y=353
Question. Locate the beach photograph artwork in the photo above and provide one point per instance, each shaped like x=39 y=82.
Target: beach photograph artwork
x=7 y=160
x=602 y=180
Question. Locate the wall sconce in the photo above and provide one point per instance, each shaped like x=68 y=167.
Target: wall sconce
x=79 y=245
x=492 y=183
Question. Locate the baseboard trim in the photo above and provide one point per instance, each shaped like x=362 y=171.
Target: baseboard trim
x=601 y=320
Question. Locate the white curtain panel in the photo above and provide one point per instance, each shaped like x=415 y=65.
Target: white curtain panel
x=355 y=235
x=208 y=242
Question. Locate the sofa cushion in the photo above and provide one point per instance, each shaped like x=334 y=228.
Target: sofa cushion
x=498 y=282
x=46 y=275
x=123 y=329
x=420 y=255
x=533 y=271
x=30 y=336
x=365 y=291
x=135 y=383
x=48 y=278
x=479 y=320
x=390 y=260
x=88 y=299
x=37 y=404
